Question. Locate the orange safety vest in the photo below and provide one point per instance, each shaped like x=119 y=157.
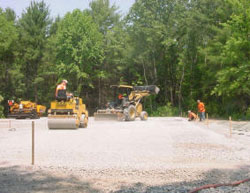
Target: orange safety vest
x=201 y=107
x=120 y=96
x=10 y=102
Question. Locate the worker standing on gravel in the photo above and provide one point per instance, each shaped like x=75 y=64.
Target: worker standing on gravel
x=201 y=110
x=191 y=116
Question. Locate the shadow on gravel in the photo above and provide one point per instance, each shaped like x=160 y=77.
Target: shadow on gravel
x=15 y=179
x=214 y=176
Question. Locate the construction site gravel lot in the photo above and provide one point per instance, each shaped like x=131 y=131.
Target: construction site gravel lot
x=167 y=154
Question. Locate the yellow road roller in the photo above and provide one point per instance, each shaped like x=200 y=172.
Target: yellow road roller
x=67 y=113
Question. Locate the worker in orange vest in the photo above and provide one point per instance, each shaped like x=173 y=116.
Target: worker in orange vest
x=120 y=96
x=201 y=110
x=10 y=102
x=191 y=116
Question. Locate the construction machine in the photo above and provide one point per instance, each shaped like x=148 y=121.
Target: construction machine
x=127 y=104
x=67 y=112
x=25 y=109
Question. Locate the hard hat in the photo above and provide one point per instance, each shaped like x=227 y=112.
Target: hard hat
x=65 y=81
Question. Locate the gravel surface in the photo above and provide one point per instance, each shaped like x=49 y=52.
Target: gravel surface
x=158 y=155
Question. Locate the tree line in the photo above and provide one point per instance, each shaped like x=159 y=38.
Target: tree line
x=190 y=49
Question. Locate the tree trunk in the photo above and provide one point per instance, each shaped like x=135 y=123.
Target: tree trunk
x=155 y=71
x=171 y=96
x=144 y=73
x=36 y=97
x=99 y=97
x=180 y=91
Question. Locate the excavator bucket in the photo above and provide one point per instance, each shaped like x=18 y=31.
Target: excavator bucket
x=105 y=116
x=102 y=115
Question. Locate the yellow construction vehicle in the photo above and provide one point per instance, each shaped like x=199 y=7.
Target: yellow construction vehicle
x=67 y=113
x=25 y=109
x=127 y=104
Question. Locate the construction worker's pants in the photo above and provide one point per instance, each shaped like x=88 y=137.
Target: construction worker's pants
x=202 y=116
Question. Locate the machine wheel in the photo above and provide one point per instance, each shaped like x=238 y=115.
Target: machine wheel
x=83 y=125
x=34 y=115
x=130 y=113
x=138 y=109
x=144 y=116
x=83 y=121
x=125 y=113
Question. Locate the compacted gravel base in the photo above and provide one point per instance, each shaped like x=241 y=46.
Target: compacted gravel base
x=160 y=155
x=37 y=179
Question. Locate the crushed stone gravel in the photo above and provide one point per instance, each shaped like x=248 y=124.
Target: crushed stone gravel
x=159 y=155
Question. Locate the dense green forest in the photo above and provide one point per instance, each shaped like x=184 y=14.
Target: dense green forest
x=190 y=49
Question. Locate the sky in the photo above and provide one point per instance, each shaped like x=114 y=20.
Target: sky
x=60 y=7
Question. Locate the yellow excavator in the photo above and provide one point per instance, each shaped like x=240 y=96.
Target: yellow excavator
x=127 y=104
x=67 y=112
x=25 y=109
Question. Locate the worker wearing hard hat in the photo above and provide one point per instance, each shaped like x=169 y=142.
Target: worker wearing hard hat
x=62 y=86
x=201 y=110
x=120 y=96
x=191 y=116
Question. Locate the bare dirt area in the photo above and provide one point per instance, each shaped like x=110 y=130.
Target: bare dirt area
x=158 y=155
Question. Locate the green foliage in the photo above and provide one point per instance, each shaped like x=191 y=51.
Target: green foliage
x=165 y=111
x=79 y=49
x=33 y=32
x=107 y=18
x=8 y=34
x=248 y=114
x=229 y=53
x=190 y=49
x=104 y=15
x=1 y=107
x=9 y=83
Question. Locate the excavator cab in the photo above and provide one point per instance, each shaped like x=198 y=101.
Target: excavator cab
x=120 y=96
